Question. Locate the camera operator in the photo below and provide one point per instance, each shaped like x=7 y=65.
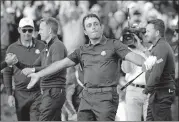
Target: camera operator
x=136 y=100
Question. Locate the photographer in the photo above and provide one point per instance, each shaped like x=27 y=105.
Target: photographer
x=136 y=100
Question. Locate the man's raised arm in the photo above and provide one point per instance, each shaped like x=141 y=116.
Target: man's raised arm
x=54 y=67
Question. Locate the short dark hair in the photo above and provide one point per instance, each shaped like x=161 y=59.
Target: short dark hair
x=158 y=25
x=90 y=16
x=52 y=22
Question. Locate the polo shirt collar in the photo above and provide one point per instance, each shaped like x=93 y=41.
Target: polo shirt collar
x=160 y=39
x=51 y=41
x=102 y=41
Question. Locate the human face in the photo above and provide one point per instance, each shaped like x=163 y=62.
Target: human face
x=44 y=31
x=151 y=34
x=26 y=33
x=93 y=28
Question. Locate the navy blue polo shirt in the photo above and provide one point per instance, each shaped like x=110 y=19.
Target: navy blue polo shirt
x=100 y=62
x=162 y=75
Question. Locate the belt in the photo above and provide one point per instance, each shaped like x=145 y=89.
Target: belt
x=137 y=85
x=104 y=89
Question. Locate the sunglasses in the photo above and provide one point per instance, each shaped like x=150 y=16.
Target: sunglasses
x=25 y=30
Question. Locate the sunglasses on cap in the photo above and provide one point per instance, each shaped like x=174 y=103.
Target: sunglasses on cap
x=25 y=30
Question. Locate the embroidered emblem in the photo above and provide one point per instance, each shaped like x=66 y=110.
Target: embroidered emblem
x=37 y=51
x=159 y=61
x=103 y=53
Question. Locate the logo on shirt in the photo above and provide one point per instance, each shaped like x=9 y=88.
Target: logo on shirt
x=103 y=53
x=37 y=51
x=159 y=61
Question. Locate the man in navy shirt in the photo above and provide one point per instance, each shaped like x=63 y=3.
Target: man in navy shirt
x=99 y=61
x=161 y=78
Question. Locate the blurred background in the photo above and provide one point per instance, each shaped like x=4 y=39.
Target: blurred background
x=114 y=16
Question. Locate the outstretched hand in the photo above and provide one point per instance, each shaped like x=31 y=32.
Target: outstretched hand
x=34 y=79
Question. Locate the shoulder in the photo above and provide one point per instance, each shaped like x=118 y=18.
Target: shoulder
x=12 y=46
x=58 y=44
x=39 y=42
x=161 y=48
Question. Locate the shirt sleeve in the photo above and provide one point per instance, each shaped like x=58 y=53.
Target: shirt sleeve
x=37 y=63
x=121 y=49
x=58 y=52
x=75 y=56
x=161 y=53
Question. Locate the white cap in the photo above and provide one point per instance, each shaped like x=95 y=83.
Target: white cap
x=26 y=22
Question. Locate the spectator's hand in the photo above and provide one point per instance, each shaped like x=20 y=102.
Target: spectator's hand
x=11 y=59
x=34 y=79
x=139 y=44
x=11 y=101
x=27 y=71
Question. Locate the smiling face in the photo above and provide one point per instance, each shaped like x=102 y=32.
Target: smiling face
x=93 y=28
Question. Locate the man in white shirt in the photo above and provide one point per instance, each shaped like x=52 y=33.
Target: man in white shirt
x=136 y=100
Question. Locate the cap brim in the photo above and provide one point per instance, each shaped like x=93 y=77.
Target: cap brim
x=27 y=26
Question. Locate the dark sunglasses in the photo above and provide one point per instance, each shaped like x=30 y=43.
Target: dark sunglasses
x=25 y=30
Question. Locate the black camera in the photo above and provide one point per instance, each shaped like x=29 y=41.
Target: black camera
x=128 y=37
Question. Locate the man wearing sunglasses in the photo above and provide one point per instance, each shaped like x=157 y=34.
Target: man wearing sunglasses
x=52 y=86
x=27 y=50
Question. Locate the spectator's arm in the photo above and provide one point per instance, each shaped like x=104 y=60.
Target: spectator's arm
x=7 y=77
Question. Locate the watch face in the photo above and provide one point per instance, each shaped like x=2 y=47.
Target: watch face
x=33 y=69
x=37 y=51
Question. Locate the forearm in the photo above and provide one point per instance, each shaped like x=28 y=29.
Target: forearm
x=56 y=66
x=135 y=58
x=37 y=69
x=22 y=65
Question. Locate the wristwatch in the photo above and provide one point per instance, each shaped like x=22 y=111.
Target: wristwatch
x=33 y=70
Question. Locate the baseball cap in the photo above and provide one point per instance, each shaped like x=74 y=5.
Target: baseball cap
x=26 y=22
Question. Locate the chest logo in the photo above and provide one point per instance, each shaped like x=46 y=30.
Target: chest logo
x=103 y=53
x=37 y=51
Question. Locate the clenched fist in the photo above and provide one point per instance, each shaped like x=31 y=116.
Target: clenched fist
x=11 y=59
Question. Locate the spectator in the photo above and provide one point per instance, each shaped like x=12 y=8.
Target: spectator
x=27 y=50
x=52 y=86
